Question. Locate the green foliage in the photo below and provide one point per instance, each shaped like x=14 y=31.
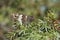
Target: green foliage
x=37 y=30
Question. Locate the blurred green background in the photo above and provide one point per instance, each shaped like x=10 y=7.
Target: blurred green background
x=29 y=7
